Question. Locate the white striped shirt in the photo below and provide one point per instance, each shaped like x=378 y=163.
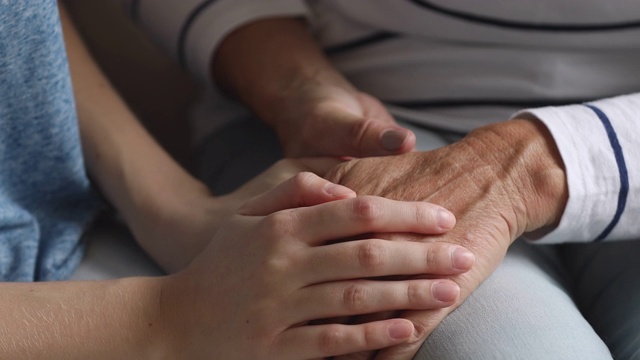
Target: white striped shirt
x=456 y=65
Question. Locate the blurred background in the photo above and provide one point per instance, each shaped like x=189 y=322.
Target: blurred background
x=153 y=85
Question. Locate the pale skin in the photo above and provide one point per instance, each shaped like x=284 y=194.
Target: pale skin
x=281 y=242
x=500 y=181
x=292 y=276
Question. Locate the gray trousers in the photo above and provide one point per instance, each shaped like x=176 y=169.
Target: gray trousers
x=578 y=301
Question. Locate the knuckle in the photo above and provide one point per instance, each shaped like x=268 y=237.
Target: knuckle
x=277 y=267
x=302 y=180
x=370 y=336
x=358 y=131
x=438 y=257
x=329 y=340
x=431 y=256
x=371 y=255
x=354 y=296
x=366 y=209
x=416 y=295
x=423 y=213
x=320 y=111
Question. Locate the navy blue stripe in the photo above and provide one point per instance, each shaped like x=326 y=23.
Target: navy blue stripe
x=504 y=23
x=622 y=168
x=184 y=31
x=134 y=10
x=358 y=43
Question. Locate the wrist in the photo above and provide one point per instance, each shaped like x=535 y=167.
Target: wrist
x=146 y=330
x=174 y=234
x=168 y=328
x=299 y=92
x=180 y=319
x=525 y=155
x=268 y=76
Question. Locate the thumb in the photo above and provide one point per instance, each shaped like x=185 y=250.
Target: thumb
x=347 y=124
x=373 y=138
x=347 y=134
x=373 y=132
x=304 y=189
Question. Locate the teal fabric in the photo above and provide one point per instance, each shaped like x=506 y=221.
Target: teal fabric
x=46 y=200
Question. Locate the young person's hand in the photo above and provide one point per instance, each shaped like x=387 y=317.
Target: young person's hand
x=186 y=218
x=254 y=290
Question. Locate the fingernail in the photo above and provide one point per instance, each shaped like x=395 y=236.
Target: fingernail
x=392 y=139
x=399 y=330
x=446 y=220
x=336 y=190
x=445 y=291
x=462 y=259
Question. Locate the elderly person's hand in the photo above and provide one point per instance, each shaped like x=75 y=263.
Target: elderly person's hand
x=339 y=121
x=500 y=181
x=292 y=86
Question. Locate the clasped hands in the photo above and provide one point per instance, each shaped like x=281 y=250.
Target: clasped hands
x=500 y=181
x=271 y=273
x=308 y=253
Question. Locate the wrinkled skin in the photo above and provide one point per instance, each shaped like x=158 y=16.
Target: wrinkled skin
x=499 y=181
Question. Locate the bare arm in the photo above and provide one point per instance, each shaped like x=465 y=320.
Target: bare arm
x=78 y=320
x=106 y=319
x=157 y=198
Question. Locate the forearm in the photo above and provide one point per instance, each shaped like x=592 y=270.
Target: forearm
x=269 y=62
x=81 y=320
x=135 y=174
